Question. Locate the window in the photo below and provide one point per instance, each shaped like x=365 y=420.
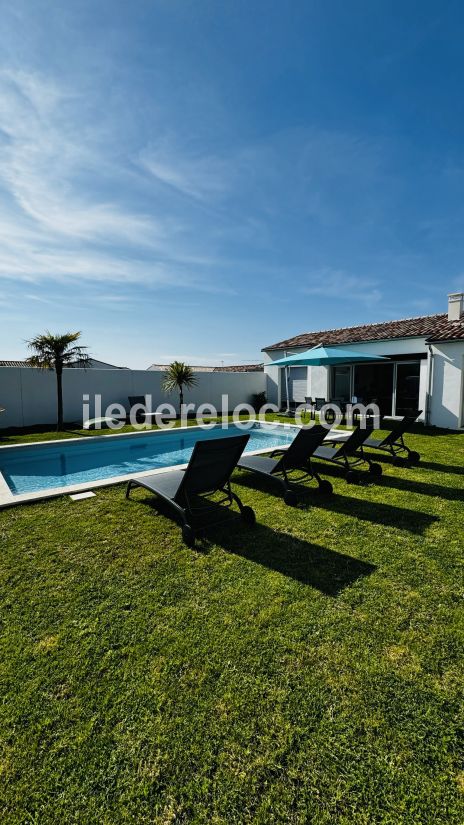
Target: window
x=341 y=384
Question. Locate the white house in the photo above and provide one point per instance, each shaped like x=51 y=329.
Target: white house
x=425 y=367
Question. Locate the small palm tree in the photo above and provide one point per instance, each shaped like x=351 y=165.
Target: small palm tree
x=53 y=352
x=178 y=376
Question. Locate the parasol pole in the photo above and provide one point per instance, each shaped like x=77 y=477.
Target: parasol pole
x=287 y=382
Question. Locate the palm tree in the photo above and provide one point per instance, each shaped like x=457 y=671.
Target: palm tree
x=53 y=352
x=178 y=376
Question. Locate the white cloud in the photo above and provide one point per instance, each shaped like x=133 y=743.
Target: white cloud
x=192 y=174
x=341 y=286
x=53 y=223
x=42 y=157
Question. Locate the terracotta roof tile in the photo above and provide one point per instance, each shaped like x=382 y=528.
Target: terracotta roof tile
x=432 y=327
x=241 y=368
x=448 y=331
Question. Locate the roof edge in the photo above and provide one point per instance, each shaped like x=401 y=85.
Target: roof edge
x=342 y=344
x=285 y=342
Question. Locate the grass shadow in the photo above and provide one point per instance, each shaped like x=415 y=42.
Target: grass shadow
x=389 y=515
x=403 y=518
x=331 y=469
x=328 y=571
x=453 y=469
x=419 y=487
x=308 y=488
x=273 y=488
x=387 y=458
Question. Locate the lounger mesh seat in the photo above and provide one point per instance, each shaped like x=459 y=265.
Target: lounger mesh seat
x=325 y=452
x=188 y=492
x=259 y=463
x=297 y=457
x=166 y=485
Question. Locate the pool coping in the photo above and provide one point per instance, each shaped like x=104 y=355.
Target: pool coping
x=8 y=499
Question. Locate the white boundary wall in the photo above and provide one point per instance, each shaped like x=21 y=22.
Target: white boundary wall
x=29 y=395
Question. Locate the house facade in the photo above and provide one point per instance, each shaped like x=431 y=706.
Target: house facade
x=424 y=367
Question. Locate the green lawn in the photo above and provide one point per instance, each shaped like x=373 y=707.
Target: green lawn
x=306 y=671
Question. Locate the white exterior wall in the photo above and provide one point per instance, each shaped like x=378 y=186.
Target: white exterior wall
x=447 y=397
x=446 y=402
x=317 y=383
x=423 y=388
x=29 y=395
x=272 y=375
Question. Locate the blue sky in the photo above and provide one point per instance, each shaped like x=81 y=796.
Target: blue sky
x=195 y=180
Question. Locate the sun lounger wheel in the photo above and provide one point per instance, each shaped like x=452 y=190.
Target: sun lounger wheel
x=413 y=457
x=325 y=487
x=188 y=535
x=248 y=516
x=290 y=498
x=375 y=469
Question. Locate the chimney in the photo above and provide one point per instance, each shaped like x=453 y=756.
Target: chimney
x=455 y=306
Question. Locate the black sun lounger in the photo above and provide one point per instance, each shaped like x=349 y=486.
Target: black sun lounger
x=393 y=442
x=187 y=491
x=349 y=453
x=296 y=457
x=137 y=399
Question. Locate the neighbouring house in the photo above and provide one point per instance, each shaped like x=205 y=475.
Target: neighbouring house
x=425 y=367
x=197 y=368
x=92 y=364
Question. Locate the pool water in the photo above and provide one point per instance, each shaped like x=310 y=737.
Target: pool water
x=34 y=468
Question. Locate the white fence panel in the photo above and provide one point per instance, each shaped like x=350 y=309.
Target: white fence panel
x=29 y=395
x=11 y=397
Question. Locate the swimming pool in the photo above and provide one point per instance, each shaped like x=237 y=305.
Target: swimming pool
x=39 y=470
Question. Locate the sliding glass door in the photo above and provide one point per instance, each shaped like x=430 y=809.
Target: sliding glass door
x=407 y=387
x=394 y=386
x=373 y=384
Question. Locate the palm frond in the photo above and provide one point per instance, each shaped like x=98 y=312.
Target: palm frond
x=178 y=375
x=52 y=351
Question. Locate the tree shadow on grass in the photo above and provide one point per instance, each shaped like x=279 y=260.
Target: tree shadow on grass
x=328 y=571
x=389 y=515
